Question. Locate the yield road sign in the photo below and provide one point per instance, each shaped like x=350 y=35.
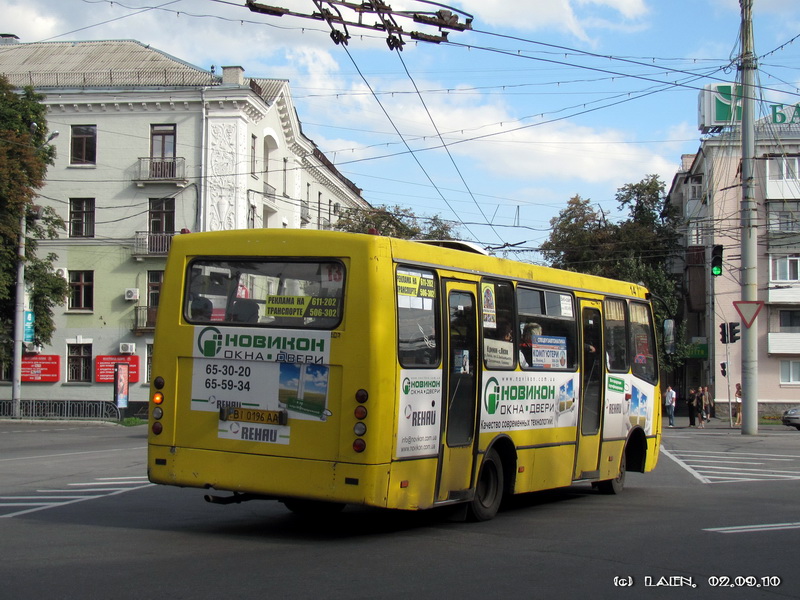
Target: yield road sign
x=748 y=310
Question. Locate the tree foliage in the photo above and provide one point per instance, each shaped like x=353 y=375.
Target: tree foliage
x=24 y=157
x=395 y=221
x=636 y=249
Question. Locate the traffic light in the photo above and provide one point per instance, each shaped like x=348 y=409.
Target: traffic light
x=733 y=332
x=723 y=333
x=723 y=368
x=716 y=261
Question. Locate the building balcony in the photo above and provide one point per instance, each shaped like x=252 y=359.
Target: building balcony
x=144 y=320
x=161 y=170
x=152 y=244
x=783 y=343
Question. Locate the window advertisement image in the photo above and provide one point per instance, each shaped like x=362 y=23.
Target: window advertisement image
x=629 y=402
x=519 y=401
x=419 y=413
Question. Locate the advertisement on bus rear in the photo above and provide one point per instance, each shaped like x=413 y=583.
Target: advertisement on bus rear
x=260 y=381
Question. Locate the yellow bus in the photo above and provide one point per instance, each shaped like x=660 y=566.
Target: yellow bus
x=324 y=368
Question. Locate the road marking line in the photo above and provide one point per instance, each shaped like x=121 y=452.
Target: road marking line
x=71 y=454
x=677 y=460
x=755 y=528
x=75 y=500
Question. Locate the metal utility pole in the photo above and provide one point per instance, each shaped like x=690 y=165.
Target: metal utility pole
x=749 y=220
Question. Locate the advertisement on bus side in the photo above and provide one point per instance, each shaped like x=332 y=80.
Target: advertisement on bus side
x=419 y=413
x=512 y=400
x=628 y=404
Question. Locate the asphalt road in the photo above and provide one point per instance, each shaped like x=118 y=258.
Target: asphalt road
x=717 y=519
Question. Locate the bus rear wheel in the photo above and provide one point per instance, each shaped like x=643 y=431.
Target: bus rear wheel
x=616 y=485
x=489 y=491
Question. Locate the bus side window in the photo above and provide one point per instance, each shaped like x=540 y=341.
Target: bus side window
x=417 y=325
x=642 y=343
x=616 y=335
x=549 y=334
x=498 y=324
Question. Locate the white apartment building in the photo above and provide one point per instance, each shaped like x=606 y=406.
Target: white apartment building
x=708 y=189
x=151 y=147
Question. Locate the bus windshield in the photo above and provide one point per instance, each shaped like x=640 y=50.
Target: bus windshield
x=267 y=293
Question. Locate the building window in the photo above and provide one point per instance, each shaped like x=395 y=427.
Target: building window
x=84 y=145
x=79 y=362
x=154 y=281
x=161 y=224
x=81 y=217
x=790 y=321
x=162 y=151
x=253 y=156
x=790 y=371
x=786 y=268
x=784 y=216
x=781 y=168
x=81 y=290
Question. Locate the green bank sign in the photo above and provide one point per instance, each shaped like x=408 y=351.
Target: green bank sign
x=720 y=105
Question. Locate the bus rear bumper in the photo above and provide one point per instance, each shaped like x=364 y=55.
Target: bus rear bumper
x=282 y=477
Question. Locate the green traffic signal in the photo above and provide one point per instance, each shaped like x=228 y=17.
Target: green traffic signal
x=716 y=261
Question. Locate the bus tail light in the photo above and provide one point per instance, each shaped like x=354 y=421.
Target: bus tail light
x=359 y=445
x=158 y=398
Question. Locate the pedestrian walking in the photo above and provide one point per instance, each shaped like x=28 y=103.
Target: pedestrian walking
x=700 y=407
x=669 y=404
x=738 y=404
x=691 y=399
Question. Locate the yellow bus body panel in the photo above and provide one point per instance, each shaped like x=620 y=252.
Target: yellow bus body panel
x=319 y=461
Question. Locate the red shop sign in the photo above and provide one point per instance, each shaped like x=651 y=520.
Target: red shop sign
x=104 y=367
x=44 y=368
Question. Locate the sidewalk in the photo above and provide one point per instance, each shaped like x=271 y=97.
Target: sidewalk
x=682 y=422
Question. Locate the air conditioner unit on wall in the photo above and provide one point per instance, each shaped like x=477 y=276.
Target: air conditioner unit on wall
x=31 y=348
x=131 y=293
x=127 y=348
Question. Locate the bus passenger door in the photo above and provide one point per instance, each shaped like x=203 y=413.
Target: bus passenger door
x=456 y=451
x=591 y=408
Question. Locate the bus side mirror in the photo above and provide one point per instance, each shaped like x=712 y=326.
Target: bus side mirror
x=669 y=336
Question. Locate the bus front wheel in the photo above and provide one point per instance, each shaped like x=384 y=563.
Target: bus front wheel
x=489 y=491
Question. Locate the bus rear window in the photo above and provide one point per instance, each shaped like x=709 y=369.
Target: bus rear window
x=299 y=294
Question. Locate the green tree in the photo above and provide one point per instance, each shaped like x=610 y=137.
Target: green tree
x=395 y=221
x=636 y=249
x=24 y=156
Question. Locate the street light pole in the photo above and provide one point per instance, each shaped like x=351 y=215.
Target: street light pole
x=749 y=220
x=19 y=309
x=19 y=318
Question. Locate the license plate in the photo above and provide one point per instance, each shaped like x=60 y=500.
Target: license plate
x=254 y=415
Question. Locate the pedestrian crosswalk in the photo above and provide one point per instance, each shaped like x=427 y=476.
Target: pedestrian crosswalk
x=731 y=467
x=43 y=499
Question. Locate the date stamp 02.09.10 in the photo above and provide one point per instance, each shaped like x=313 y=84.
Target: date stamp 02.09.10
x=740 y=581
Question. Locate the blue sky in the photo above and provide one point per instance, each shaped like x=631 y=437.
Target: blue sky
x=499 y=127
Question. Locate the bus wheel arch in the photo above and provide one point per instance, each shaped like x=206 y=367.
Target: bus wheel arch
x=633 y=458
